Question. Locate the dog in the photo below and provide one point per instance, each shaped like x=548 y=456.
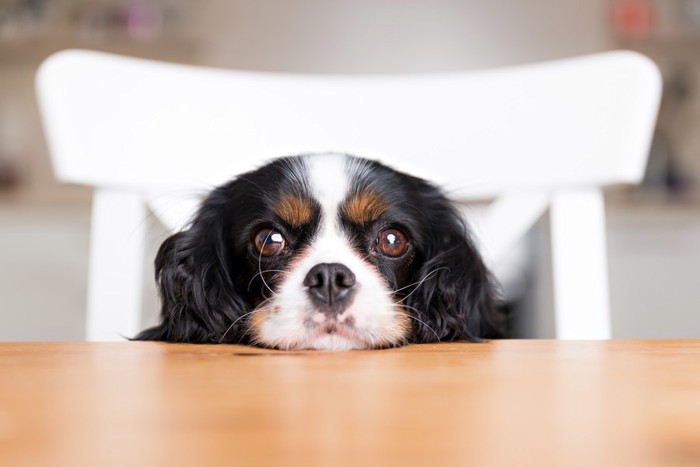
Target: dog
x=327 y=252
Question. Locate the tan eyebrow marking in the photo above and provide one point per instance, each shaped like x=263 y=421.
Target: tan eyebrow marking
x=364 y=207
x=294 y=210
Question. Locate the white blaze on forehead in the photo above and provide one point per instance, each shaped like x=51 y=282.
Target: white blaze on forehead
x=329 y=185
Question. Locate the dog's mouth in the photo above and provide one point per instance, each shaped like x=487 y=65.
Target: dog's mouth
x=339 y=330
x=339 y=327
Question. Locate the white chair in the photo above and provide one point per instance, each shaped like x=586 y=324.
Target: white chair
x=154 y=134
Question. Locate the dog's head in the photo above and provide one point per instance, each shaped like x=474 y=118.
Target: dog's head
x=323 y=252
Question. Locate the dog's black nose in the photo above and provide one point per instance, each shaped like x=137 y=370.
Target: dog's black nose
x=330 y=285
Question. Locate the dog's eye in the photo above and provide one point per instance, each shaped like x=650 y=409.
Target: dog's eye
x=392 y=243
x=268 y=242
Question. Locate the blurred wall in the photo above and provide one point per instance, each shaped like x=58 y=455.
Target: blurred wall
x=386 y=36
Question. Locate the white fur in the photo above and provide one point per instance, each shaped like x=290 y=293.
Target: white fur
x=372 y=309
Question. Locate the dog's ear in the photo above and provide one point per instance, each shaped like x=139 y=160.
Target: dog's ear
x=456 y=298
x=193 y=273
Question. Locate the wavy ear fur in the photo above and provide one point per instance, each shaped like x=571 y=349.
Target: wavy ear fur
x=193 y=272
x=457 y=297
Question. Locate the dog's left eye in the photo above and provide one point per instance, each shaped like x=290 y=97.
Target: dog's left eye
x=392 y=243
x=268 y=242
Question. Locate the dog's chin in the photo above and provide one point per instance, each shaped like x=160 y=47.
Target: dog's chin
x=321 y=333
x=337 y=338
x=336 y=341
x=322 y=340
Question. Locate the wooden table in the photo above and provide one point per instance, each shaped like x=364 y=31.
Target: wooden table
x=514 y=403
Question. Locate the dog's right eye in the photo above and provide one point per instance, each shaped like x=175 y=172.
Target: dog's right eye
x=268 y=242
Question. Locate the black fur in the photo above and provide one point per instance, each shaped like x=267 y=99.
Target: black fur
x=207 y=276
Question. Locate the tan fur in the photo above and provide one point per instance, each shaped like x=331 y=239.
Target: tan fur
x=364 y=207
x=294 y=210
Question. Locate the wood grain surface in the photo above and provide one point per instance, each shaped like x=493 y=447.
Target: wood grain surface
x=515 y=403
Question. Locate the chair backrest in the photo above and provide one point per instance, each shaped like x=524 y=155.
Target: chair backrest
x=117 y=121
x=153 y=129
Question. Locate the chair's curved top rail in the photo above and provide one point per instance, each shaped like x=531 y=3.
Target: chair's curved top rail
x=126 y=122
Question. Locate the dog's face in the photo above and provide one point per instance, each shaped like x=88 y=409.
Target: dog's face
x=323 y=252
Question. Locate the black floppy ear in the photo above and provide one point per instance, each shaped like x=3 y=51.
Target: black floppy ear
x=193 y=273
x=457 y=297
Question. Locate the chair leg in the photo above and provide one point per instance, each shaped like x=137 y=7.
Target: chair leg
x=116 y=265
x=581 y=297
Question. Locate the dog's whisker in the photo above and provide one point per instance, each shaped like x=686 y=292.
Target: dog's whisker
x=260 y=274
x=234 y=323
x=248 y=329
x=420 y=321
x=419 y=283
x=429 y=273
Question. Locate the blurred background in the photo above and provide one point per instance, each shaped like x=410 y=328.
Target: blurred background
x=653 y=230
